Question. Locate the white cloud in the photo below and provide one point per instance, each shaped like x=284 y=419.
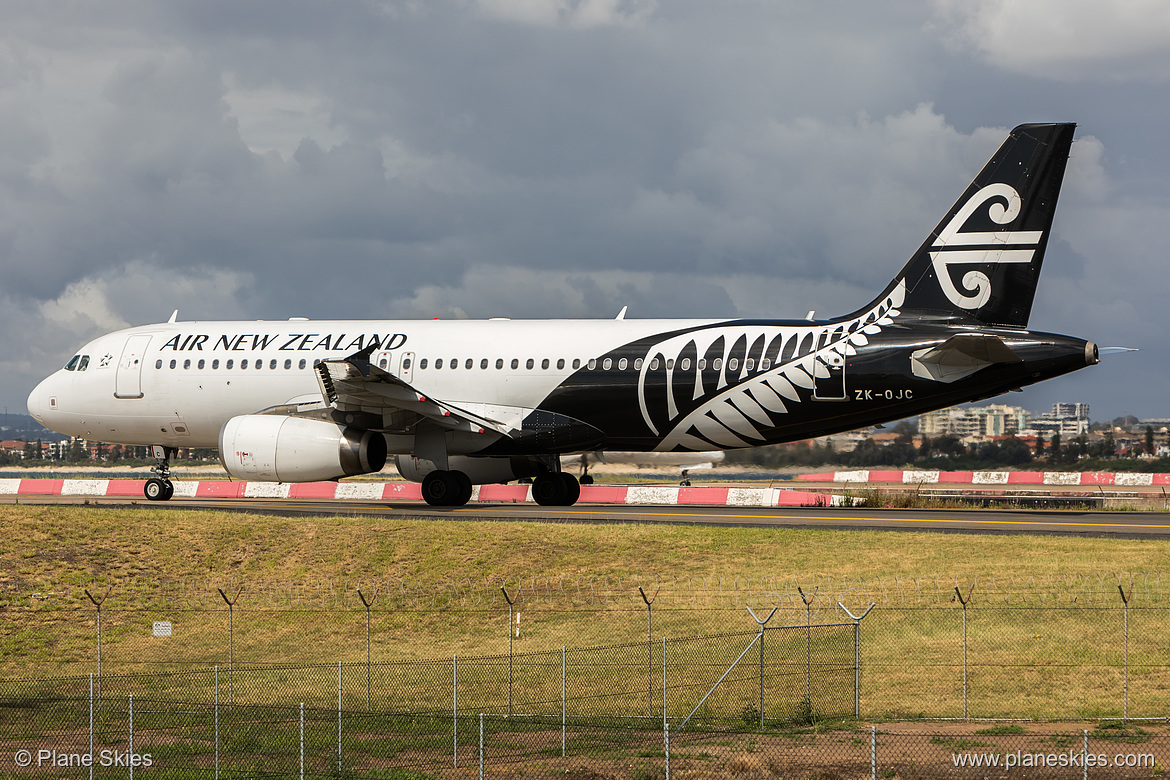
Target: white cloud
x=570 y=13
x=1066 y=39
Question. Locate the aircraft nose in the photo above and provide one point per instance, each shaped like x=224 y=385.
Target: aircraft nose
x=42 y=402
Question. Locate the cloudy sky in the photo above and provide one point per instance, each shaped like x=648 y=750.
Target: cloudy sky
x=544 y=158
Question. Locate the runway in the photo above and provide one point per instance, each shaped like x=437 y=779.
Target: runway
x=1131 y=525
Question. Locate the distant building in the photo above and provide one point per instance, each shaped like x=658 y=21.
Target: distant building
x=1068 y=419
x=974 y=422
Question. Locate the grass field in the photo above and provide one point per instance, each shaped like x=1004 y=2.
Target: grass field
x=1036 y=647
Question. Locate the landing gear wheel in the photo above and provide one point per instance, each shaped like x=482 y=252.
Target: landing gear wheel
x=157 y=489
x=586 y=479
x=439 y=488
x=572 y=489
x=463 y=494
x=549 y=489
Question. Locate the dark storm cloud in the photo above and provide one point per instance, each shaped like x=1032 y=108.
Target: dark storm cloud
x=553 y=158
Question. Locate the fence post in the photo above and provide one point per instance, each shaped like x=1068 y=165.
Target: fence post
x=455 y=709
x=807 y=644
x=873 y=752
x=98 y=603
x=302 y=741
x=339 y=718
x=856 y=655
x=564 y=704
x=91 y=724
x=511 y=602
x=130 y=746
x=367 y=604
x=664 y=683
x=1125 y=607
x=761 y=624
x=964 y=602
x=649 y=648
x=216 y=723
x=231 y=603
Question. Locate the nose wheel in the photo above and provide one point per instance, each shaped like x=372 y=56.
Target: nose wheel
x=159 y=487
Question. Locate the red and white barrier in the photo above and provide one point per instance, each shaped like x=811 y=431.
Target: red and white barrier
x=1054 y=478
x=644 y=495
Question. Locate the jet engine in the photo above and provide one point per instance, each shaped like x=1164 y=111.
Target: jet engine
x=274 y=448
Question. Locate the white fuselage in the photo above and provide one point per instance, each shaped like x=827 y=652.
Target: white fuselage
x=176 y=384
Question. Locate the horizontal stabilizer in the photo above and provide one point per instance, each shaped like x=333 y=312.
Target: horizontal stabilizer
x=960 y=356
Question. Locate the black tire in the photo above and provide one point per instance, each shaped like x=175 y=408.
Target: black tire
x=572 y=489
x=549 y=490
x=155 y=489
x=463 y=488
x=170 y=490
x=439 y=488
x=587 y=479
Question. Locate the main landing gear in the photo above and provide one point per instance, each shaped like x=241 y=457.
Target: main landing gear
x=159 y=487
x=453 y=488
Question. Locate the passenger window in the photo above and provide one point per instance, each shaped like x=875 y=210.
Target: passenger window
x=438 y=362
x=382 y=363
x=576 y=363
x=670 y=364
x=229 y=364
x=302 y=363
x=560 y=364
x=244 y=363
x=499 y=363
x=72 y=364
x=173 y=362
x=702 y=364
x=592 y=364
x=158 y=363
x=685 y=364
x=607 y=364
x=186 y=364
x=84 y=364
x=765 y=364
x=638 y=364
x=422 y=364
x=749 y=364
x=529 y=364
x=215 y=363
x=654 y=364
x=515 y=363
x=733 y=364
x=288 y=363
x=622 y=364
x=202 y=363
x=405 y=364
x=717 y=363
x=469 y=364
x=483 y=363
x=544 y=364
x=454 y=362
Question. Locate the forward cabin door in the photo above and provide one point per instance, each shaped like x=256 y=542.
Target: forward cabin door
x=128 y=383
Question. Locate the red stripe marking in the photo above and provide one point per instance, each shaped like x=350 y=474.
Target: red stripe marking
x=885 y=476
x=960 y=477
x=409 y=491
x=220 y=489
x=40 y=487
x=603 y=494
x=506 y=493
x=703 y=495
x=1097 y=478
x=125 y=487
x=312 y=490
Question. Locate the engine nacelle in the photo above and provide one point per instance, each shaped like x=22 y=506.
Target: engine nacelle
x=481 y=471
x=274 y=448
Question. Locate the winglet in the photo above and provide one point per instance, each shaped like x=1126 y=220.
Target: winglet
x=622 y=313
x=174 y=317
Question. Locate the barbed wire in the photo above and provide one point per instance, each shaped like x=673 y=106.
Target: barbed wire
x=585 y=591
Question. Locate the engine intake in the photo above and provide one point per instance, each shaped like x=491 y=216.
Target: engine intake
x=275 y=448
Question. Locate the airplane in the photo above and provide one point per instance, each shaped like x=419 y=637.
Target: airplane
x=686 y=461
x=465 y=402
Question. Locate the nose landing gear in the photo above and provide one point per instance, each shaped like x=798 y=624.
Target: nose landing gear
x=159 y=487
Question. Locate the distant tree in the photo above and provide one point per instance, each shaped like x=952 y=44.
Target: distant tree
x=1054 y=453
x=77 y=453
x=1014 y=452
x=905 y=430
x=924 y=447
x=1039 y=445
x=1150 y=440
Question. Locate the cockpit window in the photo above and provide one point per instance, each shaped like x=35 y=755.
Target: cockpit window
x=72 y=364
x=84 y=364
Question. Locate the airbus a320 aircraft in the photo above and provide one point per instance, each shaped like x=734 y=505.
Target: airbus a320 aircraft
x=472 y=402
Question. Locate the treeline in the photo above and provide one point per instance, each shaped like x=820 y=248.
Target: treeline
x=79 y=454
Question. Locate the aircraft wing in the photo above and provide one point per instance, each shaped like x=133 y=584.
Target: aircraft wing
x=355 y=386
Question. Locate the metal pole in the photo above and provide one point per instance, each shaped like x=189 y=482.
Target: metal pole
x=481 y=746
x=664 y=683
x=231 y=603
x=98 y=603
x=856 y=654
x=91 y=725
x=217 y=723
x=367 y=605
x=302 y=741
x=130 y=749
x=761 y=624
x=808 y=645
x=1125 y=603
x=563 y=703
x=873 y=752
x=1085 y=756
x=964 y=602
x=649 y=647
x=455 y=709
x=510 y=603
x=339 y=718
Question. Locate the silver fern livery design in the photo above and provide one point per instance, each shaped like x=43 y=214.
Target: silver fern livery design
x=463 y=403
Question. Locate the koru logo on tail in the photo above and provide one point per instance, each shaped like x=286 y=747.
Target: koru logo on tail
x=978 y=248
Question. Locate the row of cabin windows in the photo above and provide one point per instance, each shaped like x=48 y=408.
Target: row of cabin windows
x=258 y=363
x=607 y=364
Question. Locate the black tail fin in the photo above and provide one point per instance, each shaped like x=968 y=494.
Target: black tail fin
x=983 y=260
